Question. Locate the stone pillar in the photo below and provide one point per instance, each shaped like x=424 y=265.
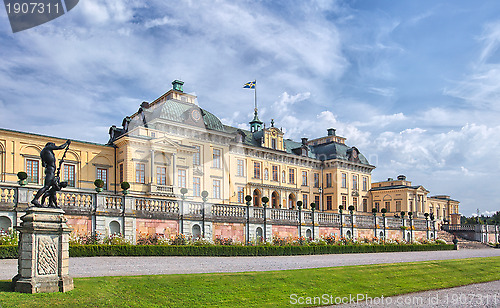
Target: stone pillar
x=43 y=252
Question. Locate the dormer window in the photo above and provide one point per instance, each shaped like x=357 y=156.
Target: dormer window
x=273 y=143
x=304 y=152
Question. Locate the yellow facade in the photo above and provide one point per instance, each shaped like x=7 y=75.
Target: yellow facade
x=172 y=143
x=21 y=152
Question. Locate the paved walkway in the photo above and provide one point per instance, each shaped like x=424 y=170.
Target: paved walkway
x=129 y=266
x=475 y=295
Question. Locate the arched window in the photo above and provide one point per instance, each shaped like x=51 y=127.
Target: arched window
x=196 y=231
x=275 y=200
x=258 y=234
x=256 y=197
x=308 y=233
x=114 y=227
x=5 y=224
x=291 y=201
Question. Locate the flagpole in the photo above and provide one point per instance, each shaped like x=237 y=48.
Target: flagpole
x=255 y=88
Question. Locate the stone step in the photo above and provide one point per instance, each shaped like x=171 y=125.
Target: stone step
x=462 y=243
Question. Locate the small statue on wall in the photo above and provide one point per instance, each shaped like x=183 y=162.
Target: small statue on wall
x=52 y=183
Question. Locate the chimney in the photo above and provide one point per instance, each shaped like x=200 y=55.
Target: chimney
x=331 y=132
x=304 y=141
x=401 y=178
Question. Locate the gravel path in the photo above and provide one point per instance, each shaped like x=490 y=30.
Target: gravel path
x=475 y=295
x=129 y=266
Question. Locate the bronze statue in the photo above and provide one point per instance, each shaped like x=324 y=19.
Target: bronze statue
x=51 y=184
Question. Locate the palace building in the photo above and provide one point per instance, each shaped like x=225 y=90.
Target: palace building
x=171 y=150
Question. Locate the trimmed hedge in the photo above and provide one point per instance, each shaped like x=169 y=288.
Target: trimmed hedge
x=10 y=251
x=226 y=251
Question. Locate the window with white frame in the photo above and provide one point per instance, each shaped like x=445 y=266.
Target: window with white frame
x=216 y=158
x=241 y=194
x=304 y=178
x=140 y=173
x=197 y=155
x=161 y=175
x=216 y=189
x=181 y=176
x=196 y=186
x=241 y=167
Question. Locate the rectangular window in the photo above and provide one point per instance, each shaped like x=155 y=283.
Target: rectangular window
x=291 y=176
x=316 y=180
x=241 y=167
x=304 y=178
x=316 y=200
x=273 y=144
x=102 y=174
x=355 y=182
x=181 y=178
x=196 y=186
x=241 y=195
x=305 y=201
x=328 y=203
x=140 y=173
x=275 y=173
x=344 y=202
x=328 y=180
x=365 y=205
x=32 y=170
x=344 y=180
x=197 y=156
x=256 y=170
x=216 y=158
x=377 y=206
x=161 y=175
x=355 y=203
x=69 y=174
x=365 y=183
x=398 y=206
x=121 y=172
x=388 y=206
x=216 y=192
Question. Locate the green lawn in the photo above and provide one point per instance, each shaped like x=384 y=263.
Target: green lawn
x=260 y=289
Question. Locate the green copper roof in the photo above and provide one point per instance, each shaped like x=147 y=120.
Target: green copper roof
x=177 y=111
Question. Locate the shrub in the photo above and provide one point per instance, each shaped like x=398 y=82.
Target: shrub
x=21 y=175
x=179 y=239
x=99 y=183
x=115 y=239
x=125 y=185
x=8 y=237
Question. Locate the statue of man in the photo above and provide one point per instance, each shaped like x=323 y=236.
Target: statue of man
x=49 y=162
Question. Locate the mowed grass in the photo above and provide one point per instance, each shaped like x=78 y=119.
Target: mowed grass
x=260 y=289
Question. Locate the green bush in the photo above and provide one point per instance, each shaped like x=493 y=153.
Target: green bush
x=8 y=252
x=221 y=250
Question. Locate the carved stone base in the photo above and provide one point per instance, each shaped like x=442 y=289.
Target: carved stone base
x=43 y=252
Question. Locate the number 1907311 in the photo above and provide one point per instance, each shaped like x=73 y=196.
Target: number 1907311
x=32 y=8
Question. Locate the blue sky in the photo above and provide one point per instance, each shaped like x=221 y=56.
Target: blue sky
x=413 y=84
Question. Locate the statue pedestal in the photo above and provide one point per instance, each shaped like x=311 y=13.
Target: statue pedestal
x=43 y=252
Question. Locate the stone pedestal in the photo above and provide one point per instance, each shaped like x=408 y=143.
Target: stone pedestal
x=43 y=252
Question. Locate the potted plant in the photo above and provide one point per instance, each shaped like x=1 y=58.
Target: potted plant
x=125 y=187
x=99 y=184
x=22 y=176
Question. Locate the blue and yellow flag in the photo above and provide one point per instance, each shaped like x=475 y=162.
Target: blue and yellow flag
x=250 y=85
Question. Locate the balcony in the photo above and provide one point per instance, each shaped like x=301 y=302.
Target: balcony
x=163 y=190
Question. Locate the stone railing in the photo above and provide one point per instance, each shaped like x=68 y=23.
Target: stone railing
x=364 y=221
x=7 y=195
x=76 y=199
x=113 y=202
x=393 y=222
x=419 y=224
x=461 y=227
x=194 y=208
x=156 y=205
x=258 y=212
x=221 y=210
x=329 y=218
x=282 y=214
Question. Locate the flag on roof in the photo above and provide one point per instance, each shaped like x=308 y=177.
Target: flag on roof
x=250 y=85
